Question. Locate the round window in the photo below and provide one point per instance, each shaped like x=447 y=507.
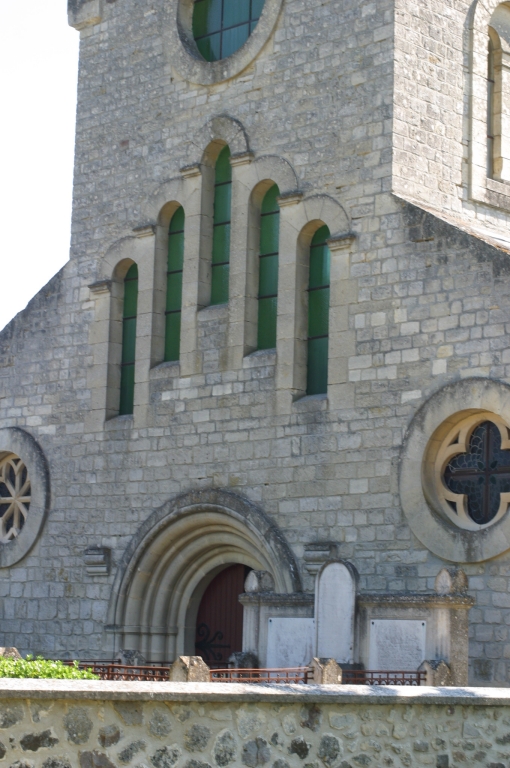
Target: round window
x=15 y=497
x=221 y=27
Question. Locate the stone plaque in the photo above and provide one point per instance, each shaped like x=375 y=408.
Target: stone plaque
x=335 y=599
x=397 y=644
x=290 y=642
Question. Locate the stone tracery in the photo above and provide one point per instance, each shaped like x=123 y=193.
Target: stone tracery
x=15 y=497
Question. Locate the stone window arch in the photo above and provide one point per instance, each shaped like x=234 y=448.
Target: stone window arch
x=450 y=459
x=490 y=104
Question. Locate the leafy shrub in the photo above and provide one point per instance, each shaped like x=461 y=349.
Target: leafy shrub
x=43 y=668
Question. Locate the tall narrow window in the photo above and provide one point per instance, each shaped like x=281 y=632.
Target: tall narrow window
x=268 y=269
x=318 y=314
x=174 y=286
x=221 y=234
x=490 y=110
x=127 y=375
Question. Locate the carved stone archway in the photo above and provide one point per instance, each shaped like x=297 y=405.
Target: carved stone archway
x=175 y=553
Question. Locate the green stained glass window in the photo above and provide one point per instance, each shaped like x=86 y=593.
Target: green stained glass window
x=174 y=286
x=220 y=269
x=127 y=371
x=268 y=269
x=318 y=314
x=221 y=27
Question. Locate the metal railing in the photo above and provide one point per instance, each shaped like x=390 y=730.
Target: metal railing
x=278 y=676
x=156 y=672
x=105 y=670
x=375 y=677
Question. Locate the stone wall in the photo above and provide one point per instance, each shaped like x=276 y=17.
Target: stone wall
x=426 y=305
x=63 y=724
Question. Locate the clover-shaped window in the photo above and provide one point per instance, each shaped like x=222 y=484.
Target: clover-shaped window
x=472 y=471
x=15 y=497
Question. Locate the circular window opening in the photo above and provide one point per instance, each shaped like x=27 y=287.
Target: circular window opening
x=15 y=497
x=467 y=470
x=221 y=27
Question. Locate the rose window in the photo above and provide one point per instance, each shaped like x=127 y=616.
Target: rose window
x=15 y=497
x=474 y=467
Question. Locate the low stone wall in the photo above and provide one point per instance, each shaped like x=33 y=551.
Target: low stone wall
x=89 y=724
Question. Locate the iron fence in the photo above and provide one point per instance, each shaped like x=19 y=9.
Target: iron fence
x=281 y=676
x=376 y=677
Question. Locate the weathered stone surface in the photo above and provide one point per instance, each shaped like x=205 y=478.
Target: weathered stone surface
x=95 y=759
x=225 y=749
x=78 y=725
x=109 y=735
x=311 y=717
x=10 y=653
x=329 y=749
x=127 y=754
x=10 y=714
x=57 y=762
x=131 y=712
x=160 y=724
x=166 y=757
x=3 y=751
x=256 y=753
x=299 y=747
x=196 y=764
x=197 y=738
x=35 y=741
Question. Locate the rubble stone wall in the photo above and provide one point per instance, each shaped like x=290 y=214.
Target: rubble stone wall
x=106 y=725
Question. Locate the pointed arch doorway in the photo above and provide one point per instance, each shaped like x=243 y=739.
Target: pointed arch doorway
x=219 y=621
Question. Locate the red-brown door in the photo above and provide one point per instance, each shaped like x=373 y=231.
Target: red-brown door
x=220 y=616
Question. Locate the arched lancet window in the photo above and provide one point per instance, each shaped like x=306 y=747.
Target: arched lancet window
x=268 y=269
x=490 y=110
x=221 y=27
x=220 y=272
x=127 y=375
x=174 y=286
x=318 y=314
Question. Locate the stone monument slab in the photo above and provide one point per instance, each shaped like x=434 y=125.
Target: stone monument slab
x=335 y=599
x=397 y=644
x=290 y=642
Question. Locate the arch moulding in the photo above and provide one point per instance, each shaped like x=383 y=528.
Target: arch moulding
x=172 y=557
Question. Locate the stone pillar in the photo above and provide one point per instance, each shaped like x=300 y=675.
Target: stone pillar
x=335 y=601
x=438 y=673
x=326 y=671
x=190 y=669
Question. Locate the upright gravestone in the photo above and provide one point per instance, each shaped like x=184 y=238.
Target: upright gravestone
x=335 y=602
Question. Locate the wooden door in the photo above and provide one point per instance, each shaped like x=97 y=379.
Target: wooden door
x=220 y=616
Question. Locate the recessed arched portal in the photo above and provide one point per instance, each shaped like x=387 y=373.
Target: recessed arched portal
x=173 y=558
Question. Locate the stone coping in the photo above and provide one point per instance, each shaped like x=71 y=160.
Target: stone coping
x=98 y=690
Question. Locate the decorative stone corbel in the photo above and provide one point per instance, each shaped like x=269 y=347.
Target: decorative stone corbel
x=317 y=554
x=84 y=13
x=97 y=561
x=190 y=669
x=341 y=242
x=100 y=286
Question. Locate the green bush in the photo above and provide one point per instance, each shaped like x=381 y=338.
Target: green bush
x=43 y=668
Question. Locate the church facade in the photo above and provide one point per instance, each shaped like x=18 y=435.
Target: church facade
x=275 y=372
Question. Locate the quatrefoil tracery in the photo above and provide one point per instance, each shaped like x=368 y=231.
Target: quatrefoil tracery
x=474 y=471
x=15 y=497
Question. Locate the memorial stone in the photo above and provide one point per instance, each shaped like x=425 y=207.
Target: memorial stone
x=290 y=642
x=335 y=600
x=397 y=644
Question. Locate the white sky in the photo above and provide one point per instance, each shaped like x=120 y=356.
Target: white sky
x=38 y=73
